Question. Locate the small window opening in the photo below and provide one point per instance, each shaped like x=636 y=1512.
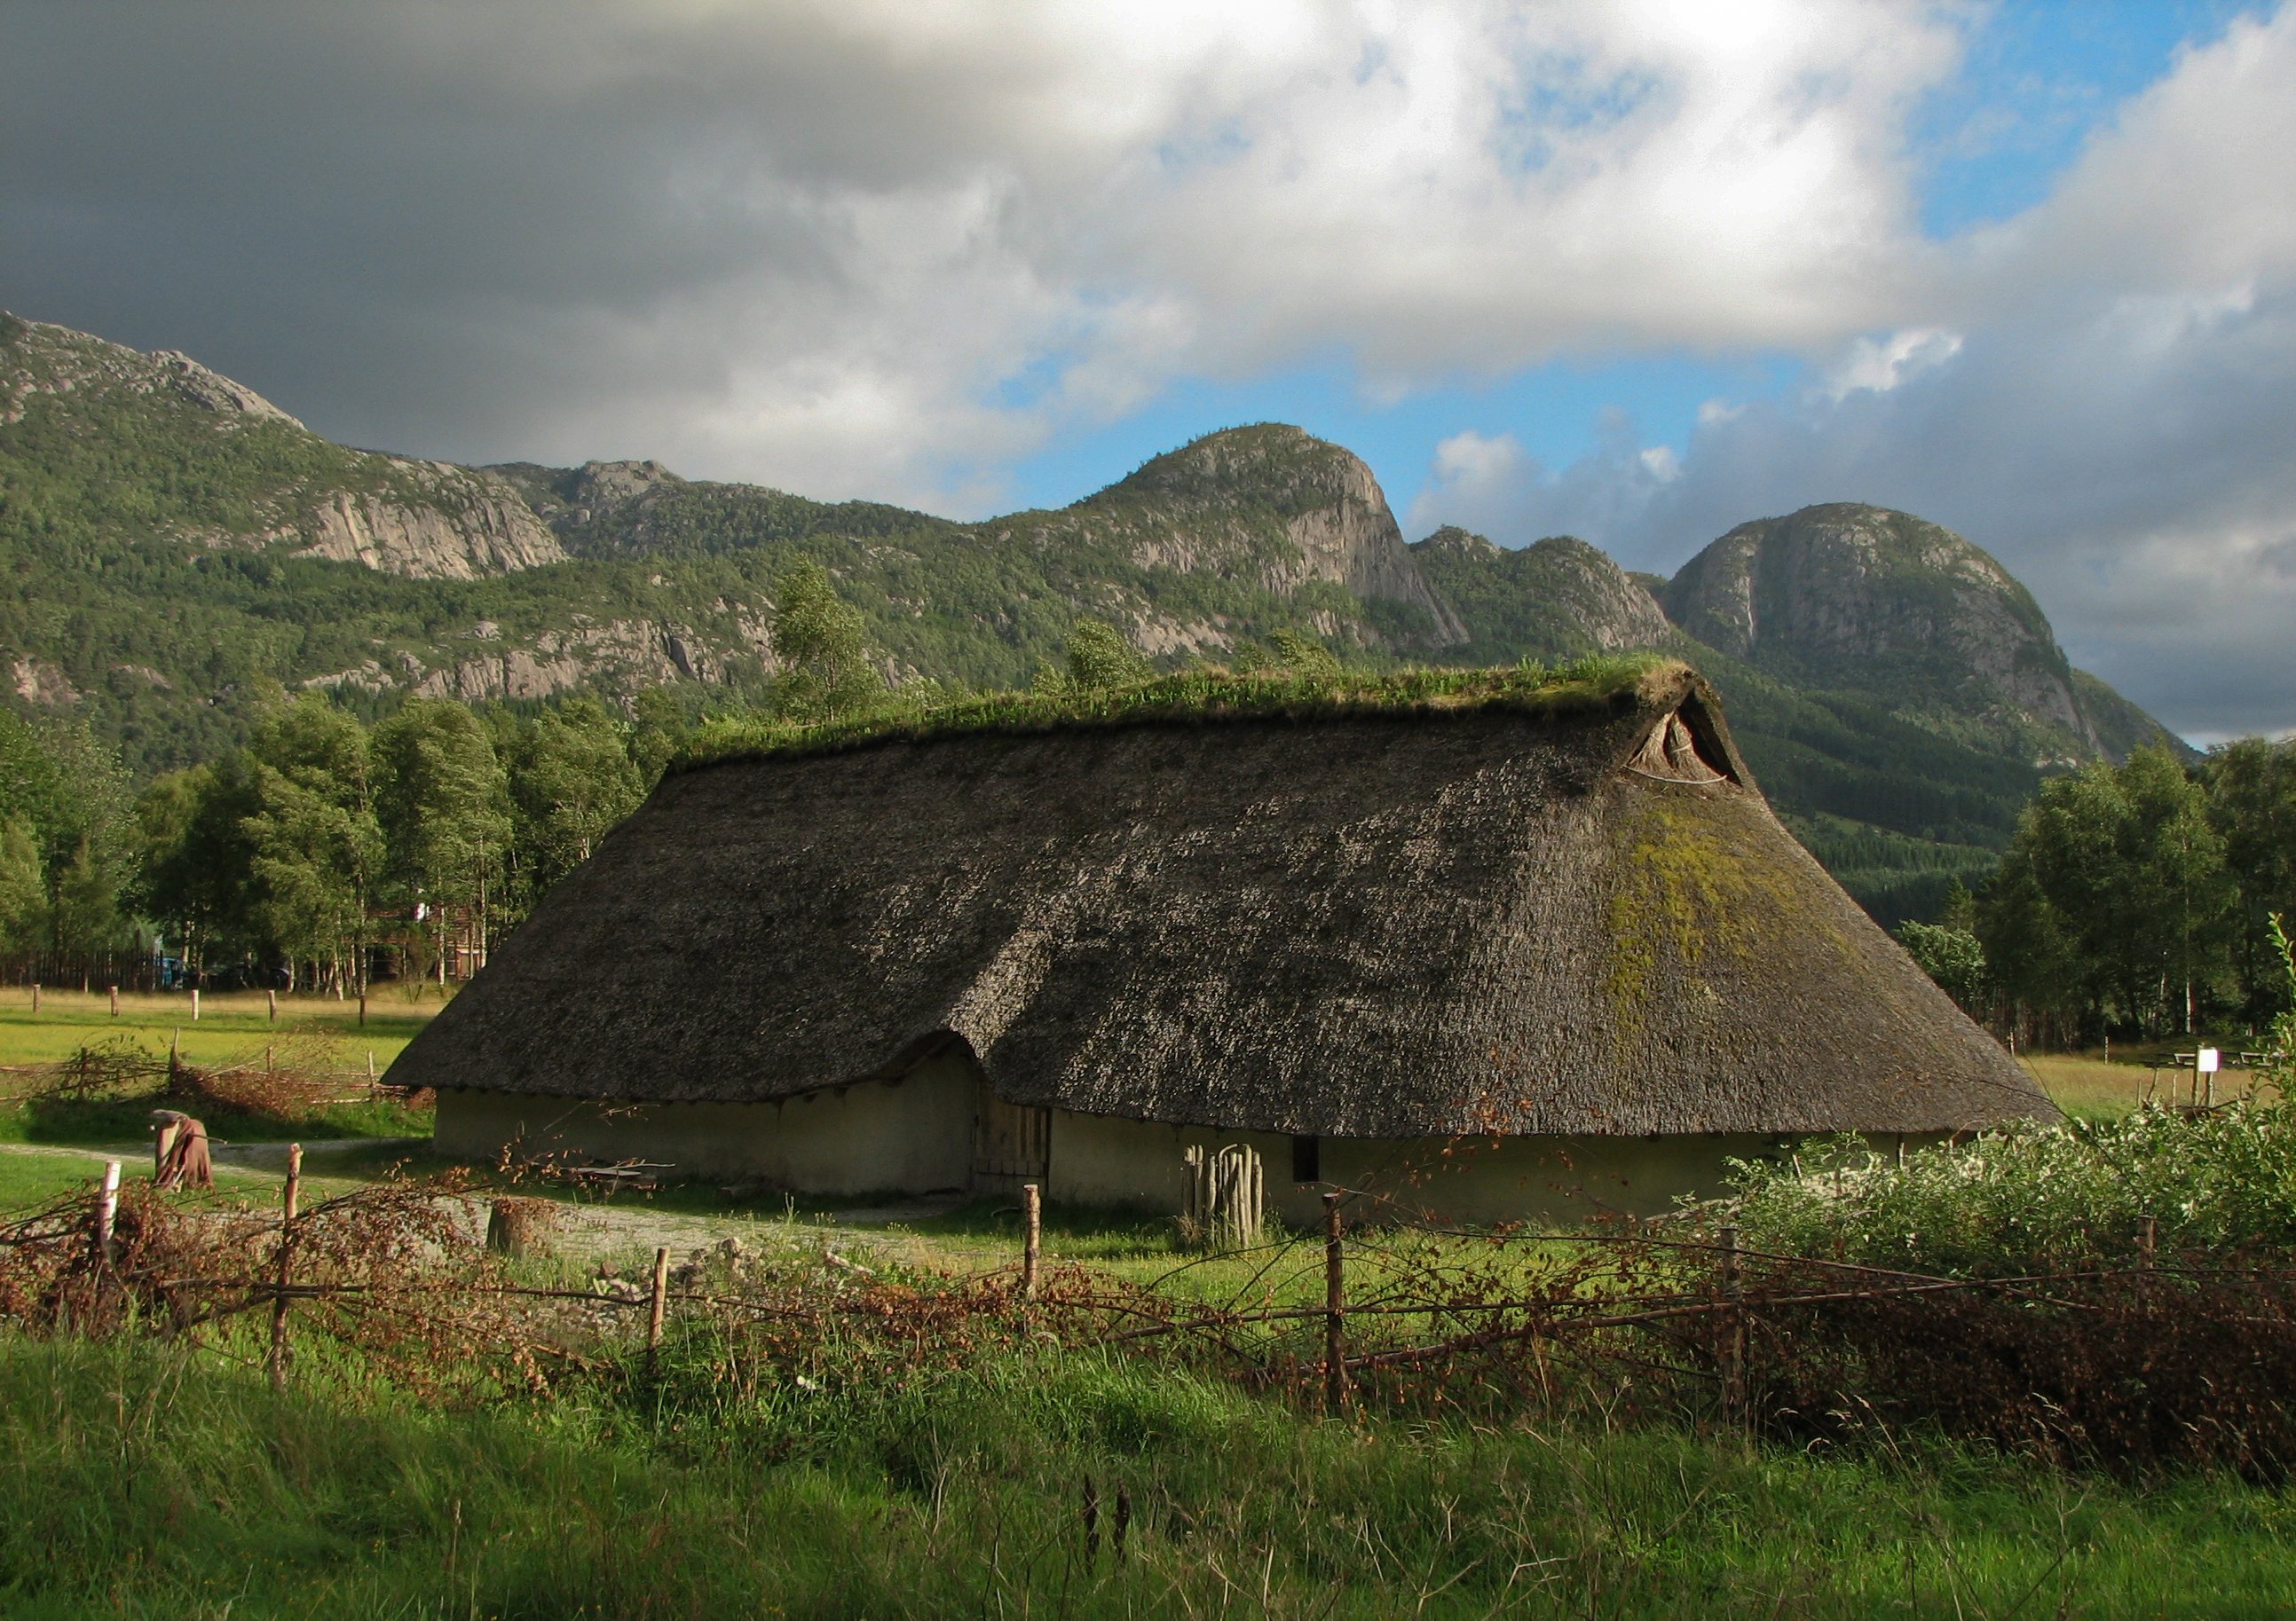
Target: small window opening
x=1307 y=1159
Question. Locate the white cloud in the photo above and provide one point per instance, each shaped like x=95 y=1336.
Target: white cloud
x=1879 y=364
x=2108 y=411
x=856 y=246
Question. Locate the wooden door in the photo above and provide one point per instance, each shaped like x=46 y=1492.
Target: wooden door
x=1010 y=1144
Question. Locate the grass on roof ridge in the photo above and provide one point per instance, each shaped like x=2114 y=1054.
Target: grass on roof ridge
x=1205 y=693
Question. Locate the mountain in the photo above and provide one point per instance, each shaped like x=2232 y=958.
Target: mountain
x=1898 y=692
x=174 y=544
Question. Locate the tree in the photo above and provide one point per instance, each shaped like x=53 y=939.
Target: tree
x=1100 y=660
x=2135 y=881
x=23 y=889
x=822 y=642
x=70 y=798
x=1953 y=957
x=572 y=780
x=444 y=806
x=316 y=845
x=2252 y=806
x=198 y=864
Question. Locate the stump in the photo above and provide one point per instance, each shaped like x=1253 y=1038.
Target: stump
x=521 y=1228
x=1227 y=1200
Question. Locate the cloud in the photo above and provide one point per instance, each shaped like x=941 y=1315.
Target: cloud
x=2109 y=412
x=873 y=247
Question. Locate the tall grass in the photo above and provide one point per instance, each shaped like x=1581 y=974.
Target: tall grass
x=136 y=1480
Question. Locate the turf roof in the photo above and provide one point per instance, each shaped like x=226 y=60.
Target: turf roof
x=1194 y=697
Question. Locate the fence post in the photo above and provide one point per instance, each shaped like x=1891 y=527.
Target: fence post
x=115 y=1001
x=286 y=1259
x=1032 y=1237
x=1730 y=1342
x=196 y=1004
x=272 y=998
x=35 y=996
x=107 y=1211
x=661 y=1301
x=1335 y=1342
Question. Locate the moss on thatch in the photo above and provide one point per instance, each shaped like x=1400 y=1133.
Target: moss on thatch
x=1200 y=696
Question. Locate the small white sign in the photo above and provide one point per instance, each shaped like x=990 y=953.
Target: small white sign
x=2206 y=1060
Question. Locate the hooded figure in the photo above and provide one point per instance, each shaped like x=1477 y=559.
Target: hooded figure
x=179 y=1151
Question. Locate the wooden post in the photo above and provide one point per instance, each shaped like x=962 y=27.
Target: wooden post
x=1335 y=1340
x=115 y=1001
x=272 y=997
x=370 y=1069
x=107 y=1211
x=35 y=996
x=1032 y=1237
x=660 y=1299
x=1729 y=1350
x=196 y=1004
x=288 y=1199
x=2146 y=1237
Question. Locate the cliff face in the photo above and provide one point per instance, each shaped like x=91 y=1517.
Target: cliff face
x=461 y=526
x=1214 y=499
x=1864 y=598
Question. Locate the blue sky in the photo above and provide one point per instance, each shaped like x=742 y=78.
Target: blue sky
x=2038 y=79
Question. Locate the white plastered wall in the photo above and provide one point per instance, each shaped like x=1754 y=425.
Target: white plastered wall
x=916 y=1136
x=912 y=1135
x=1473 y=1181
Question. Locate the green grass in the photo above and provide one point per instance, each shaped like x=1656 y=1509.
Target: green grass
x=148 y=1481
x=1191 y=696
x=234 y=1029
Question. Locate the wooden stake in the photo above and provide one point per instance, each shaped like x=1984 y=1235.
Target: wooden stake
x=107 y=1211
x=286 y=1254
x=35 y=996
x=660 y=1299
x=196 y=1004
x=273 y=998
x=1032 y=1237
x=1729 y=1350
x=115 y=1001
x=1335 y=1343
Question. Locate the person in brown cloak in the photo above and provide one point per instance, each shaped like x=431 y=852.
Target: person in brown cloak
x=179 y=1151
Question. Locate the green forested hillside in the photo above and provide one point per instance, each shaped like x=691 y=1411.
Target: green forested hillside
x=175 y=548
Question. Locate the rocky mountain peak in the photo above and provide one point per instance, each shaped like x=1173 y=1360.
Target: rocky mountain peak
x=1219 y=494
x=1451 y=540
x=1852 y=593
x=212 y=391
x=603 y=486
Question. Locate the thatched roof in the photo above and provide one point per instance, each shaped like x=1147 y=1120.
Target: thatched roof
x=1399 y=921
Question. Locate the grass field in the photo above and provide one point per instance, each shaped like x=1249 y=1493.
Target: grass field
x=2088 y=1088
x=145 y=1478
x=232 y=1029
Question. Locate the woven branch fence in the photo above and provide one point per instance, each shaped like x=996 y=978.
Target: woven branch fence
x=2137 y=1363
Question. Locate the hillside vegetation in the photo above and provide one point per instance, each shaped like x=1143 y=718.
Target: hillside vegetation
x=176 y=547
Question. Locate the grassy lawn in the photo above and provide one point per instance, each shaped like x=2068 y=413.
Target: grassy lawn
x=231 y=1030
x=2087 y=1087
x=148 y=1480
